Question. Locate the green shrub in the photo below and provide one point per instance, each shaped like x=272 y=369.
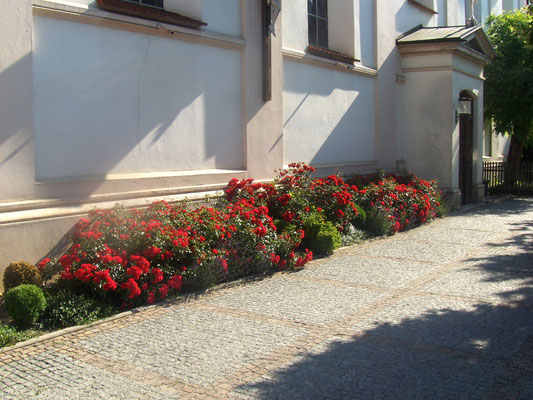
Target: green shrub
x=444 y=209
x=70 y=307
x=202 y=276
x=25 y=303
x=377 y=223
x=20 y=273
x=9 y=335
x=321 y=236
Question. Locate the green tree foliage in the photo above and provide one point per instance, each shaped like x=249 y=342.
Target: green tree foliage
x=509 y=78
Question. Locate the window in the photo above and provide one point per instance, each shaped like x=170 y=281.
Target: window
x=152 y=3
x=317 y=23
x=336 y=43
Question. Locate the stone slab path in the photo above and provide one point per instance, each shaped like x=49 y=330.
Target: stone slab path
x=444 y=311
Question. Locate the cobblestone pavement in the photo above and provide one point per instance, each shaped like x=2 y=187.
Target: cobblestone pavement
x=444 y=311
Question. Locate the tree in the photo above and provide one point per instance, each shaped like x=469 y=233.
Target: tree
x=509 y=79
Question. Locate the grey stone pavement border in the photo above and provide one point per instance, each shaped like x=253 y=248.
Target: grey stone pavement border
x=444 y=311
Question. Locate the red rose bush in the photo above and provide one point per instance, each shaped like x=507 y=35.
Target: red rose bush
x=140 y=256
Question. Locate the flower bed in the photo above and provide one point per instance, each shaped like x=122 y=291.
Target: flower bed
x=137 y=256
x=405 y=200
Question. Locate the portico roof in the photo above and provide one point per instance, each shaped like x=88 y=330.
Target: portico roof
x=473 y=37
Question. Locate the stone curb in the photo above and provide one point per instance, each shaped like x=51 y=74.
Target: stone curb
x=64 y=331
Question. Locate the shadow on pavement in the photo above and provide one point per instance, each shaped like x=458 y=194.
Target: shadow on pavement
x=446 y=349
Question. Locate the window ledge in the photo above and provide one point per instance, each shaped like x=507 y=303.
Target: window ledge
x=154 y=14
x=333 y=55
x=305 y=57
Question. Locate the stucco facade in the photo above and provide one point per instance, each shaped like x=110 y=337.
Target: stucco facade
x=99 y=107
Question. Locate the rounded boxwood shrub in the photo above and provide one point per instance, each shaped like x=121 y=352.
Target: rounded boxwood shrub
x=321 y=236
x=25 y=303
x=19 y=273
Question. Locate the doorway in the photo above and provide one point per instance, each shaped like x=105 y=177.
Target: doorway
x=466 y=153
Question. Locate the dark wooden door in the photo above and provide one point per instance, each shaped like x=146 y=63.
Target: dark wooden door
x=466 y=152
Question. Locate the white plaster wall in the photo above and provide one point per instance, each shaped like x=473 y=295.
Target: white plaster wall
x=429 y=125
x=16 y=128
x=442 y=12
x=407 y=16
x=294 y=24
x=496 y=7
x=111 y=101
x=328 y=116
x=191 y=9
x=455 y=12
x=484 y=8
x=91 y=3
x=343 y=34
x=500 y=145
x=222 y=16
x=367 y=28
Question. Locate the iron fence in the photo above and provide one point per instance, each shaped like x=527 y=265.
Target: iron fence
x=501 y=179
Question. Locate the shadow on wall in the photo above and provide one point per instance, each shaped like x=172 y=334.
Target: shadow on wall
x=328 y=115
x=408 y=16
x=445 y=351
x=111 y=101
x=14 y=107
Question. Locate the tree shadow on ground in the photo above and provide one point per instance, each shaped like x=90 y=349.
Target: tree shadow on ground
x=443 y=347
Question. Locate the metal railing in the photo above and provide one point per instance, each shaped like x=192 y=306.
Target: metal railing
x=501 y=179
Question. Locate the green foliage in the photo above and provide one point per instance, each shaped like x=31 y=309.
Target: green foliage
x=21 y=272
x=9 y=335
x=377 y=223
x=68 y=306
x=443 y=209
x=25 y=303
x=509 y=78
x=321 y=236
x=201 y=276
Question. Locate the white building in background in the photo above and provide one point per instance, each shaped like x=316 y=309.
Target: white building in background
x=106 y=101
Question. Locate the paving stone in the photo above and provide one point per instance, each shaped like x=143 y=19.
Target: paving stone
x=70 y=379
x=361 y=369
x=482 y=329
x=505 y=216
x=503 y=258
x=192 y=345
x=364 y=270
x=417 y=250
x=527 y=392
x=438 y=231
x=489 y=284
x=298 y=300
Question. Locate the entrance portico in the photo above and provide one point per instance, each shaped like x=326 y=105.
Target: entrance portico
x=442 y=66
